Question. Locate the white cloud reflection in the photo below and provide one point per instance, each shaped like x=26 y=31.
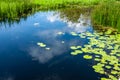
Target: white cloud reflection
x=53 y=17
x=50 y=35
x=56 y=46
x=43 y=55
x=82 y=25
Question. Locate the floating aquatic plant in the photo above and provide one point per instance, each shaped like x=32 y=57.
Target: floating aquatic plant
x=87 y=57
x=41 y=44
x=105 y=48
x=73 y=47
x=74 y=34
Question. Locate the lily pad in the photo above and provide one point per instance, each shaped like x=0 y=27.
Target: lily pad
x=41 y=44
x=74 y=34
x=87 y=57
x=73 y=47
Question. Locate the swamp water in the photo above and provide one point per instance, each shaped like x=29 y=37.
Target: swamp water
x=58 y=46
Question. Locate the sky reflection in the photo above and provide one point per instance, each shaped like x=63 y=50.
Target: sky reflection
x=54 y=41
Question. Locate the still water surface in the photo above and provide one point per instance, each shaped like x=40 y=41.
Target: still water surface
x=22 y=59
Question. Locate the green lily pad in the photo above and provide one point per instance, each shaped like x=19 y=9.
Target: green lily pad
x=87 y=57
x=114 y=72
x=104 y=49
x=73 y=47
x=108 y=67
x=41 y=44
x=74 y=34
x=105 y=79
x=74 y=53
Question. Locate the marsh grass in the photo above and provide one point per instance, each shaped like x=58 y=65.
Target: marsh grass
x=14 y=9
x=103 y=13
x=107 y=14
x=55 y=4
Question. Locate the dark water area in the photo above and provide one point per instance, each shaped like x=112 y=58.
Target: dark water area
x=22 y=59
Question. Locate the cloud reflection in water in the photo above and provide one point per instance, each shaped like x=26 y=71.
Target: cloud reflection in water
x=50 y=36
x=82 y=25
x=56 y=47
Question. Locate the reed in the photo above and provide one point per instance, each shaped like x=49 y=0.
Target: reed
x=107 y=14
x=14 y=9
x=55 y=4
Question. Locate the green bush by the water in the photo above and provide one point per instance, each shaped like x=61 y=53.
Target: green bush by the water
x=107 y=14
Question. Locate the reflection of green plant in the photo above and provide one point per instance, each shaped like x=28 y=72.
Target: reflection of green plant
x=106 y=51
x=73 y=14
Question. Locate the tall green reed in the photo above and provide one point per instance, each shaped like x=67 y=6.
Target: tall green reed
x=107 y=14
x=14 y=9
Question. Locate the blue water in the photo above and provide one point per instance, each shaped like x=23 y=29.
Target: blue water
x=22 y=59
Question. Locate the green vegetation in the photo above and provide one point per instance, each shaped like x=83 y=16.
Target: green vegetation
x=104 y=49
x=15 y=9
x=107 y=14
x=102 y=12
x=41 y=44
x=55 y=4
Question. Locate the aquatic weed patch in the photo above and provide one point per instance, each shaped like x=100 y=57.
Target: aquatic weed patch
x=104 y=50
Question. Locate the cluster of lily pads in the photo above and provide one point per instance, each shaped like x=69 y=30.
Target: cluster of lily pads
x=42 y=45
x=104 y=49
